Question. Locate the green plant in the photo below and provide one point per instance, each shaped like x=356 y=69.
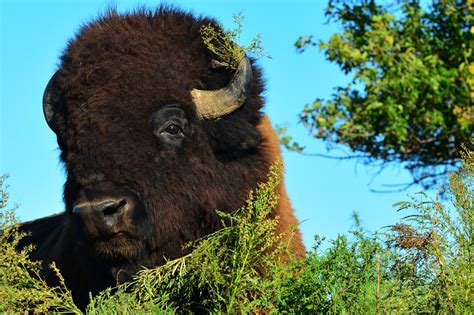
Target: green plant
x=434 y=246
x=340 y=279
x=225 y=44
x=22 y=287
x=409 y=101
x=423 y=264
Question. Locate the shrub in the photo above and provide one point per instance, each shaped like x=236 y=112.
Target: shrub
x=21 y=286
x=422 y=264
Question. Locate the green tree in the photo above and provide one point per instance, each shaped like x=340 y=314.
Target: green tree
x=410 y=97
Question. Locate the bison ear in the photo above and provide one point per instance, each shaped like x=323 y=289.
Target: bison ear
x=50 y=102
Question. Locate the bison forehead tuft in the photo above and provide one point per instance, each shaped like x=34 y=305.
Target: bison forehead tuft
x=147 y=56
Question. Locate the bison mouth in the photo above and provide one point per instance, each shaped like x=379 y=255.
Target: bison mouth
x=120 y=245
x=114 y=238
x=112 y=220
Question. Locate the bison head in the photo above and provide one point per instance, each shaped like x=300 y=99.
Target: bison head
x=153 y=138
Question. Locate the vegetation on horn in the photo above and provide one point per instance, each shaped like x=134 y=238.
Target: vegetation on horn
x=410 y=97
x=226 y=45
x=422 y=264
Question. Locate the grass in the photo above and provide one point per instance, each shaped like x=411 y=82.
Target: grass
x=423 y=264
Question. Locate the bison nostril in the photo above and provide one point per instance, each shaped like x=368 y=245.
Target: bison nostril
x=112 y=207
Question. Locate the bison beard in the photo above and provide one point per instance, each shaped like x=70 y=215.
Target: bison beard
x=146 y=165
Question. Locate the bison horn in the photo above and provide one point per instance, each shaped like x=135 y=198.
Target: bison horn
x=218 y=103
x=49 y=104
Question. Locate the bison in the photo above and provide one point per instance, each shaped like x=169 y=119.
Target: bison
x=153 y=139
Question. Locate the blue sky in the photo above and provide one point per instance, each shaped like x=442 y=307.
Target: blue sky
x=324 y=192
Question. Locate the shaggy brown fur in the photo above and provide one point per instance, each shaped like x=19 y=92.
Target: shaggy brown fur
x=116 y=80
x=287 y=220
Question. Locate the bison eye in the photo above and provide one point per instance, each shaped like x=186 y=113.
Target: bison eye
x=173 y=129
x=169 y=125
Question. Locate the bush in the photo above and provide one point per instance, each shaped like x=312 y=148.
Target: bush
x=21 y=286
x=422 y=264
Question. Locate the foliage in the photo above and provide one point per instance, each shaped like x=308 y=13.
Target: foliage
x=435 y=246
x=21 y=286
x=225 y=44
x=340 y=279
x=423 y=264
x=410 y=97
